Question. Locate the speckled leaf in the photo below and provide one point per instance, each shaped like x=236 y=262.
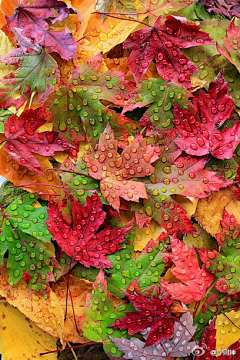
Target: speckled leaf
x=153 y=313
x=31 y=17
x=160 y=95
x=22 y=228
x=194 y=280
x=225 y=263
x=178 y=345
x=100 y=313
x=199 y=135
x=185 y=176
x=4 y=115
x=114 y=171
x=162 y=42
x=80 y=241
x=77 y=107
x=36 y=71
x=146 y=269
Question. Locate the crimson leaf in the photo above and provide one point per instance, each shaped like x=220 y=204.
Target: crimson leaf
x=162 y=43
x=80 y=241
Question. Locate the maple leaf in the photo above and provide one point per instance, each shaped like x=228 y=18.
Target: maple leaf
x=228 y=8
x=153 y=313
x=126 y=268
x=194 y=280
x=162 y=43
x=225 y=263
x=177 y=346
x=114 y=171
x=184 y=176
x=31 y=18
x=160 y=95
x=36 y=71
x=22 y=140
x=125 y=7
x=231 y=43
x=23 y=232
x=78 y=109
x=199 y=138
x=79 y=241
x=100 y=308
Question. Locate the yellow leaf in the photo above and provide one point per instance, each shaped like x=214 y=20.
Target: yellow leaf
x=188 y=204
x=6 y=47
x=210 y=210
x=144 y=235
x=21 y=339
x=201 y=241
x=227 y=329
x=47 y=314
x=78 y=290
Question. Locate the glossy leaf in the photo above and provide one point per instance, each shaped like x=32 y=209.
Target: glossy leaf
x=80 y=241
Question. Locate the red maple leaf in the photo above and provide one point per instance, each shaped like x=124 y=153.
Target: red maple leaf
x=79 y=240
x=200 y=137
x=153 y=313
x=194 y=280
x=162 y=43
x=31 y=17
x=22 y=139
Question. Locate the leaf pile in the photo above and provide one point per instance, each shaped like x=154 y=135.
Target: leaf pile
x=120 y=144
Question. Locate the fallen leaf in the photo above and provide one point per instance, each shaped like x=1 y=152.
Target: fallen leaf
x=21 y=339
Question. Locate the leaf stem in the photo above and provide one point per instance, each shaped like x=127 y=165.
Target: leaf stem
x=117 y=17
x=71 y=171
x=69 y=348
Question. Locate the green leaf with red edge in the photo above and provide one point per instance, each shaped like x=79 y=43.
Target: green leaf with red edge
x=100 y=313
x=23 y=141
x=194 y=280
x=79 y=240
x=231 y=43
x=77 y=108
x=114 y=170
x=23 y=234
x=224 y=264
x=202 y=137
x=31 y=18
x=215 y=304
x=146 y=269
x=36 y=71
x=160 y=95
x=162 y=43
x=153 y=313
x=184 y=176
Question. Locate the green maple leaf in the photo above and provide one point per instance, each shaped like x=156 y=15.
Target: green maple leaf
x=225 y=263
x=125 y=7
x=77 y=107
x=23 y=234
x=36 y=71
x=100 y=313
x=160 y=95
x=146 y=269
